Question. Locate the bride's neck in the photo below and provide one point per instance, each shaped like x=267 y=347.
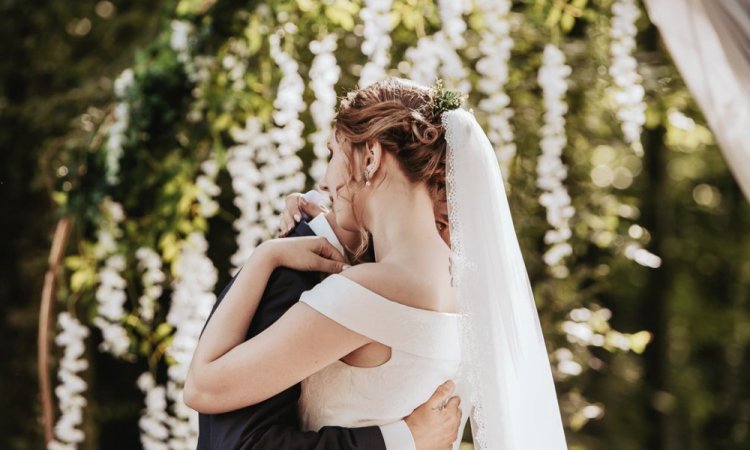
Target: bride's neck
x=398 y=217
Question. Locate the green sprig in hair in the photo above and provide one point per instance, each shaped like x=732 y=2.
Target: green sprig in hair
x=444 y=99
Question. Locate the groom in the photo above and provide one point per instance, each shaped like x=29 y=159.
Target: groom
x=273 y=423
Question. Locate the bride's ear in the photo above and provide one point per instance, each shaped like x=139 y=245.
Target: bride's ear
x=373 y=159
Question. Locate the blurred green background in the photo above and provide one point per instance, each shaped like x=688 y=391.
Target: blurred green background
x=688 y=388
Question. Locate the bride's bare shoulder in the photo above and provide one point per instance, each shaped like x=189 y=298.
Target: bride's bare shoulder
x=403 y=286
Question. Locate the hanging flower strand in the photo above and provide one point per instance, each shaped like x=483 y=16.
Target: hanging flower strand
x=281 y=172
x=246 y=179
x=324 y=74
x=206 y=188
x=180 y=41
x=495 y=47
x=154 y=418
x=192 y=299
x=264 y=165
x=628 y=91
x=116 y=133
x=376 y=17
x=195 y=277
x=436 y=56
x=110 y=292
x=149 y=262
x=68 y=434
x=551 y=172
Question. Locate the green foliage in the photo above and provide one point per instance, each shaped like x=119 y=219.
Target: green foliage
x=445 y=100
x=674 y=372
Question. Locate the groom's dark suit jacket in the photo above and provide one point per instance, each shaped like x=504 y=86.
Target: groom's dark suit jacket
x=274 y=424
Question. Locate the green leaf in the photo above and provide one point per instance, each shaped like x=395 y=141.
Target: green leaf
x=254 y=36
x=639 y=341
x=60 y=198
x=200 y=223
x=348 y=6
x=185 y=203
x=554 y=16
x=307 y=5
x=74 y=262
x=169 y=247
x=145 y=348
x=338 y=15
x=567 y=22
x=162 y=331
x=80 y=280
x=223 y=122
x=579 y=4
x=185 y=226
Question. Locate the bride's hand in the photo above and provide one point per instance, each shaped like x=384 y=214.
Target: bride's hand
x=307 y=254
x=296 y=206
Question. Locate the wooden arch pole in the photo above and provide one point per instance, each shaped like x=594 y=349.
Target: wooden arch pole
x=59 y=242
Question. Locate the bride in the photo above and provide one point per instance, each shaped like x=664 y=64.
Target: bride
x=371 y=342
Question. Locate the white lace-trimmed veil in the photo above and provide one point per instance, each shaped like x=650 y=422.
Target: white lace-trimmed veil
x=505 y=360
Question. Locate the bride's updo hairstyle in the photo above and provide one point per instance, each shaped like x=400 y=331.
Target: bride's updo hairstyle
x=404 y=117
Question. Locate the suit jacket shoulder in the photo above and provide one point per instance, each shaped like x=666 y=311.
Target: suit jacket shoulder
x=273 y=423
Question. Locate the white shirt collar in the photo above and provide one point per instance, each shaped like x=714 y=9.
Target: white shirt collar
x=320 y=226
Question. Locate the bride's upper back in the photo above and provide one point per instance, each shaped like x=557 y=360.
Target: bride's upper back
x=419 y=281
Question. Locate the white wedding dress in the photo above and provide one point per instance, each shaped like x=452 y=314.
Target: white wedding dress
x=505 y=378
x=425 y=352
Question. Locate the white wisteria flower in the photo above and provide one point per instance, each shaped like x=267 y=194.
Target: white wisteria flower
x=289 y=102
x=565 y=366
x=436 y=56
x=495 y=47
x=69 y=392
x=454 y=26
x=324 y=74
x=635 y=252
x=281 y=171
x=207 y=189
x=628 y=91
x=264 y=165
x=587 y=327
x=376 y=17
x=180 y=41
x=246 y=182
x=110 y=292
x=551 y=172
x=116 y=132
x=150 y=263
x=192 y=299
x=154 y=417
x=235 y=61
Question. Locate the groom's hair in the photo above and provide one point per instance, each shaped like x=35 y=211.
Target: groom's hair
x=400 y=115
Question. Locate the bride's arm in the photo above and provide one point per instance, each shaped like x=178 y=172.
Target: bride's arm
x=227 y=373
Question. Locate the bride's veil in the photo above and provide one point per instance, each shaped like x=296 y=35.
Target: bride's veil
x=506 y=364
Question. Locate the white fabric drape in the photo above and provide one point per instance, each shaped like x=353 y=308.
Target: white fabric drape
x=710 y=43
